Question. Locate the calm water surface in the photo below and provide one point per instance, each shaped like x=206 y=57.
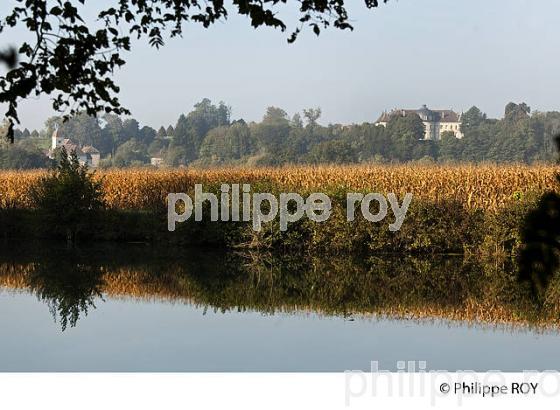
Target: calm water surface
x=136 y=309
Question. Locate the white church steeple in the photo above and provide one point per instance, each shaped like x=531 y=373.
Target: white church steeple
x=56 y=139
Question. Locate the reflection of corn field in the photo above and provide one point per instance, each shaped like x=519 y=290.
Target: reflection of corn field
x=485 y=186
x=408 y=289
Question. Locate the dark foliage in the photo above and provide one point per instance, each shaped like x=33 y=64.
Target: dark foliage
x=68 y=287
x=208 y=136
x=540 y=256
x=20 y=157
x=69 y=197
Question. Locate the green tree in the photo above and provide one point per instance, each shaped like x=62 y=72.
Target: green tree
x=161 y=133
x=131 y=153
x=184 y=142
x=296 y=121
x=158 y=147
x=206 y=116
x=176 y=155
x=519 y=137
x=478 y=140
x=272 y=133
x=170 y=131
x=516 y=112
x=332 y=152
x=69 y=197
x=405 y=132
x=425 y=150
x=131 y=129
x=84 y=130
x=472 y=118
x=226 y=144
x=551 y=124
x=312 y=115
x=370 y=140
x=146 y=135
x=20 y=156
x=113 y=132
x=450 y=147
x=18 y=134
x=191 y=129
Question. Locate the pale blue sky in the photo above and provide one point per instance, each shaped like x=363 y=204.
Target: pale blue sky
x=443 y=53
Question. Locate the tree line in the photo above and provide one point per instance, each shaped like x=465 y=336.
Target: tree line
x=208 y=136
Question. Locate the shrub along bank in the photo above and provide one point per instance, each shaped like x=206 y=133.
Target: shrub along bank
x=443 y=226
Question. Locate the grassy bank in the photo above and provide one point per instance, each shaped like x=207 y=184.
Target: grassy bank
x=455 y=209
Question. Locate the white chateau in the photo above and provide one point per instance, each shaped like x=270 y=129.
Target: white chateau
x=435 y=121
x=87 y=155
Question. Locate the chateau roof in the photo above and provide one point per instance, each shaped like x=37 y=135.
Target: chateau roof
x=439 y=115
x=448 y=116
x=71 y=147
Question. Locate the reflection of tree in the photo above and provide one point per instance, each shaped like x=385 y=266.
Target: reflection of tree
x=442 y=286
x=448 y=287
x=68 y=287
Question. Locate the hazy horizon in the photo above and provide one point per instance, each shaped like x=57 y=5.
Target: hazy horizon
x=403 y=54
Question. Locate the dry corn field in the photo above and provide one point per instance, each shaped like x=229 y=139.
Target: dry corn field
x=478 y=186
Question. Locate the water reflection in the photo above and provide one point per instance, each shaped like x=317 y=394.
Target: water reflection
x=68 y=288
x=71 y=282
